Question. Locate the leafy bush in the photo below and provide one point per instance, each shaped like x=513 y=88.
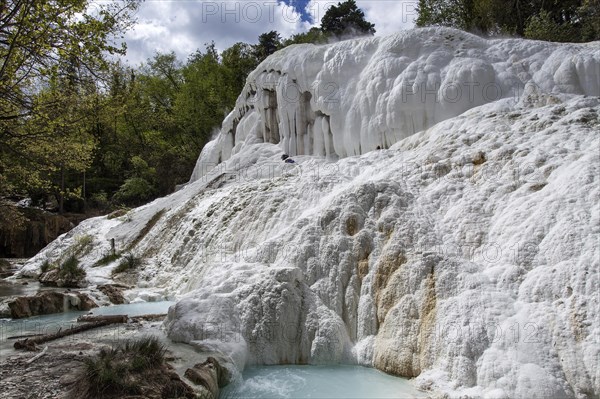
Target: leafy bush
x=114 y=370
x=70 y=270
x=543 y=27
x=129 y=262
x=134 y=191
x=99 y=200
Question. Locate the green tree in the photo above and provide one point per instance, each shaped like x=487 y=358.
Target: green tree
x=589 y=13
x=314 y=35
x=205 y=98
x=568 y=20
x=468 y=15
x=240 y=59
x=268 y=43
x=50 y=50
x=345 y=20
x=36 y=35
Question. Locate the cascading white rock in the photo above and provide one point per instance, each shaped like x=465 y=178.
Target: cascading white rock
x=351 y=97
x=465 y=255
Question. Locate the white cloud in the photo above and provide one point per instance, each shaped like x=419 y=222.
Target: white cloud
x=389 y=16
x=185 y=26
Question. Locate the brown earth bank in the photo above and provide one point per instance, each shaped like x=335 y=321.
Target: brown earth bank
x=37 y=231
x=49 y=302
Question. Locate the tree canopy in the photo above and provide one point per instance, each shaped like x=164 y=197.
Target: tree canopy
x=346 y=20
x=52 y=55
x=562 y=21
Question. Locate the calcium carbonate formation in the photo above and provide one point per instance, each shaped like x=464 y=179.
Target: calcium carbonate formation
x=464 y=252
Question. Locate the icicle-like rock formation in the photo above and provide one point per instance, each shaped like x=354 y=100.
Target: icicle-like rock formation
x=351 y=97
x=465 y=255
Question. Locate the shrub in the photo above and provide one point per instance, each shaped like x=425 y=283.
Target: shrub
x=146 y=352
x=134 y=191
x=47 y=265
x=129 y=262
x=70 y=270
x=99 y=200
x=114 y=370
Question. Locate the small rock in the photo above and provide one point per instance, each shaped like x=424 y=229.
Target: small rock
x=69 y=379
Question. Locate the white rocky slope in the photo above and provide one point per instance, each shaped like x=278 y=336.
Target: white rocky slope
x=466 y=255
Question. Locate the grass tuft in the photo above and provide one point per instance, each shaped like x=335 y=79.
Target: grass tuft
x=83 y=245
x=70 y=269
x=108 y=259
x=129 y=262
x=114 y=370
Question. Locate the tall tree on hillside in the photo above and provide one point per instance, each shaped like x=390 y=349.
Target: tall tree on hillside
x=268 y=43
x=205 y=98
x=345 y=20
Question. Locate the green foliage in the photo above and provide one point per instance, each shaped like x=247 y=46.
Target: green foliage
x=39 y=36
x=268 y=43
x=589 y=12
x=52 y=52
x=543 y=27
x=89 y=133
x=314 y=35
x=207 y=95
x=70 y=270
x=129 y=262
x=135 y=191
x=108 y=259
x=46 y=266
x=99 y=200
x=239 y=60
x=569 y=20
x=346 y=20
x=147 y=352
x=83 y=244
x=114 y=370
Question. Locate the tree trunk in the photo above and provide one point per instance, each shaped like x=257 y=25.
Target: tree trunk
x=29 y=344
x=61 y=196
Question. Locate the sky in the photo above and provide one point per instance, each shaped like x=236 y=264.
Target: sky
x=183 y=26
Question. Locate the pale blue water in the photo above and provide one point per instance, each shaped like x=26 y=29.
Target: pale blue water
x=344 y=382
x=51 y=323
